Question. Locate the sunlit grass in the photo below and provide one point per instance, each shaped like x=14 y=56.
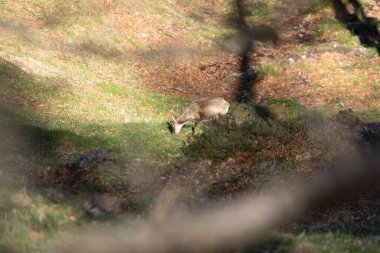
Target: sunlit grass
x=28 y=220
x=337 y=32
x=92 y=100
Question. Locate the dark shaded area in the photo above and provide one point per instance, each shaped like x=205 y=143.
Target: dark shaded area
x=263 y=112
x=355 y=213
x=364 y=27
x=26 y=90
x=224 y=136
x=248 y=78
x=48 y=156
x=363 y=132
x=38 y=153
x=104 y=51
x=274 y=244
x=370 y=133
x=248 y=34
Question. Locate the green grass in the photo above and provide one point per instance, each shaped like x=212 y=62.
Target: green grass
x=96 y=102
x=249 y=129
x=77 y=121
x=59 y=12
x=373 y=52
x=29 y=221
x=331 y=242
x=260 y=11
x=58 y=143
x=285 y=108
x=370 y=116
x=317 y=5
x=257 y=12
x=22 y=85
x=339 y=33
x=269 y=69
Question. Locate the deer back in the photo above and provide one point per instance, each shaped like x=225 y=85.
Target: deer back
x=204 y=109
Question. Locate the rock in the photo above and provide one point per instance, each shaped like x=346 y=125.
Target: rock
x=85 y=169
x=334 y=48
x=362 y=131
x=92 y=159
x=370 y=132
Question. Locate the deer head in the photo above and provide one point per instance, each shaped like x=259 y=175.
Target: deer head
x=176 y=127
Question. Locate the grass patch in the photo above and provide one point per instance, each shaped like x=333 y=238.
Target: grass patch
x=373 y=52
x=76 y=121
x=323 y=243
x=56 y=144
x=98 y=105
x=317 y=5
x=257 y=12
x=20 y=85
x=284 y=108
x=60 y=12
x=337 y=32
x=241 y=132
x=226 y=33
x=29 y=221
x=260 y=11
x=269 y=70
x=370 y=116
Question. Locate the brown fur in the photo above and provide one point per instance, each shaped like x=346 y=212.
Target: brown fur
x=201 y=110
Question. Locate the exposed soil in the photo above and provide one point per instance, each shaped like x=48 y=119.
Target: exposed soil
x=170 y=65
x=213 y=69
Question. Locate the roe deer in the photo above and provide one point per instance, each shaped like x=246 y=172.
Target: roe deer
x=201 y=110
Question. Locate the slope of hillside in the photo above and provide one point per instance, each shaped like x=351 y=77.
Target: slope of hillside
x=85 y=75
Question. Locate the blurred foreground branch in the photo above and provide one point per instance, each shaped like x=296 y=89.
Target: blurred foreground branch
x=238 y=224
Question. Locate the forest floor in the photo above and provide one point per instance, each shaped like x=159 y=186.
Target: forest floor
x=102 y=78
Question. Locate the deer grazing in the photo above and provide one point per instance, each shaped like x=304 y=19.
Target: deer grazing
x=200 y=110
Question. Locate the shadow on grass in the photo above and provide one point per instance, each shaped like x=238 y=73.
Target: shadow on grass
x=248 y=123
x=246 y=36
x=358 y=23
x=49 y=156
x=50 y=146
x=23 y=89
x=248 y=33
x=275 y=243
